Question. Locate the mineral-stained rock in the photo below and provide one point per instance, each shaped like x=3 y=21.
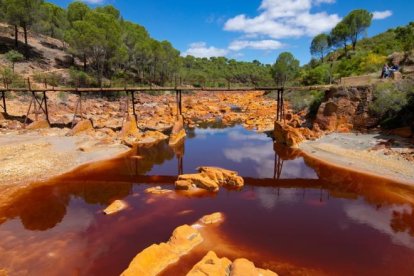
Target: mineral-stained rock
x=38 y=125
x=210 y=179
x=157 y=190
x=198 y=180
x=115 y=207
x=345 y=108
x=222 y=176
x=81 y=127
x=213 y=218
x=184 y=185
x=178 y=132
x=2 y=116
x=244 y=267
x=211 y=265
x=129 y=128
x=177 y=137
x=147 y=138
x=157 y=257
x=287 y=135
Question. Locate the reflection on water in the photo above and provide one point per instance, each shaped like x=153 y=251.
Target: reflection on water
x=293 y=210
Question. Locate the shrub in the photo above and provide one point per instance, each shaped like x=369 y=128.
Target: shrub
x=52 y=79
x=301 y=100
x=317 y=75
x=372 y=63
x=81 y=79
x=13 y=80
x=391 y=101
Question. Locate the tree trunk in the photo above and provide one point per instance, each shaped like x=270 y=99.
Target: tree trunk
x=26 y=44
x=84 y=62
x=13 y=67
x=16 y=37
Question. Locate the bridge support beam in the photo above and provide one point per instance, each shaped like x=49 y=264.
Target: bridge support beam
x=78 y=108
x=178 y=99
x=38 y=105
x=280 y=113
x=3 y=102
x=134 y=112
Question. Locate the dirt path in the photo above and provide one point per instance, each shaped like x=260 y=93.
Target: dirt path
x=384 y=156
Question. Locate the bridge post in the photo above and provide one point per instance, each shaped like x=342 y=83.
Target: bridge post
x=280 y=114
x=46 y=109
x=181 y=102
x=133 y=107
x=3 y=96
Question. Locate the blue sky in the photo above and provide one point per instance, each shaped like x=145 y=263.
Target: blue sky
x=251 y=29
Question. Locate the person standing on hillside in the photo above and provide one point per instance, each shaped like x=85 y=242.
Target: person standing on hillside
x=385 y=71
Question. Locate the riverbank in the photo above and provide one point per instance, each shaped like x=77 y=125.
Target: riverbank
x=36 y=157
x=390 y=157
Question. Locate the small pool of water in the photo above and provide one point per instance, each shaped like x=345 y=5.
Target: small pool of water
x=295 y=215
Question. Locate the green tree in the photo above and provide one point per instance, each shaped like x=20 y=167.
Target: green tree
x=77 y=11
x=406 y=36
x=285 y=69
x=340 y=36
x=52 y=21
x=13 y=57
x=320 y=46
x=357 y=21
x=24 y=13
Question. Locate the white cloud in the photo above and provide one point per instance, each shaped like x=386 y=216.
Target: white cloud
x=201 y=50
x=378 y=15
x=283 y=19
x=238 y=45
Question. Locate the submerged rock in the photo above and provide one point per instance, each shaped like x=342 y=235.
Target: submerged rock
x=157 y=257
x=211 y=265
x=157 y=190
x=115 y=207
x=213 y=218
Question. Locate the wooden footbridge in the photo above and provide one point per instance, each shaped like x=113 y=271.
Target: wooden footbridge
x=39 y=99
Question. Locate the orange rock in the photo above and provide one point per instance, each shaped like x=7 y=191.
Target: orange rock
x=157 y=190
x=177 y=137
x=38 y=125
x=287 y=135
x=244 y=267
x=198 y=180
x=129 y=128
x=222 y=176
x=211 y=265
x=115 y=207
x=81 y=127
x=213 y=218
x=157 y=257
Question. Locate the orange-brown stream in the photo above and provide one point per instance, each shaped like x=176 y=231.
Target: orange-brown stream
x=295 y=215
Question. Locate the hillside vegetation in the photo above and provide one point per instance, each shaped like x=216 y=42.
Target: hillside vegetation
x=99 y=48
